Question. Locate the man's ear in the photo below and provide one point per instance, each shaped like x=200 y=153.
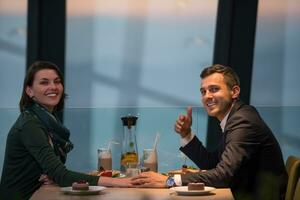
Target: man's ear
x=235 y=92
x=29 y=92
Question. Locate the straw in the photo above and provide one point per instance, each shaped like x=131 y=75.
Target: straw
x=156 y=140
x=110 y=142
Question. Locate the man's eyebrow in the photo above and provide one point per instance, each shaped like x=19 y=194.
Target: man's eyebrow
x=209 y=86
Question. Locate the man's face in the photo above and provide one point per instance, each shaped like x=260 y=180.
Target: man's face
x=217 y=98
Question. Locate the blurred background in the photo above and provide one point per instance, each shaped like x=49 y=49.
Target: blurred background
x=144 y=57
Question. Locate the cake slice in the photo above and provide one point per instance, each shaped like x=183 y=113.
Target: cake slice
x=80 y=185
x=196 y=186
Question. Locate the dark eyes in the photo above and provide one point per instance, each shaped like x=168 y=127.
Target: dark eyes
x=210 y=90
x=46 y=82
x=58 y=81
x=202 y=92
x=214 y=89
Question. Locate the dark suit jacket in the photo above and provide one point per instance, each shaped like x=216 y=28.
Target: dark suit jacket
x=248 y=159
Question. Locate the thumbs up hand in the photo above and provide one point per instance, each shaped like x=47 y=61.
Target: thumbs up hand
x=183 y=123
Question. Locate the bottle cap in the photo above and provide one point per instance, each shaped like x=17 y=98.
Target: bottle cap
x=129 y=121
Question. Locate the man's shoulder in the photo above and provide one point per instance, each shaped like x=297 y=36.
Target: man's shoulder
x=244 y=110
x=244 y=114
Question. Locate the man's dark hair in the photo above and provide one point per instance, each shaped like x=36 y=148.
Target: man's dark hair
x=28 y=81
x=230 y=76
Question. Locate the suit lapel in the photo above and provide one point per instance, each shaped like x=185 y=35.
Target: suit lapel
x=235 y=107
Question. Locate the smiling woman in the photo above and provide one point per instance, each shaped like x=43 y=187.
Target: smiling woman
x=43 y=84
x=37 y=144
x=46 y=88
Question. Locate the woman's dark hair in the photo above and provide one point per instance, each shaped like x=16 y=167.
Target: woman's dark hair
x=29 y=78
x=230 y=76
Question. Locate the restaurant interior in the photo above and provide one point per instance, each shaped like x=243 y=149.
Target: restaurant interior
x=143 y=58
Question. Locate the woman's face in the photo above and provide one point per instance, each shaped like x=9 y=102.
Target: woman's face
x=46 y=88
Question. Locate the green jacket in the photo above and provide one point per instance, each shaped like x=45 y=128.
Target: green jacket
x=28 y=154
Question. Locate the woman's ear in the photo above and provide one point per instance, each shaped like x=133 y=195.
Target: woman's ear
x=235 y=92
x=29 y=92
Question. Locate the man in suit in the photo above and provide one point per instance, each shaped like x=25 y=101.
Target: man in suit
x=248 y=158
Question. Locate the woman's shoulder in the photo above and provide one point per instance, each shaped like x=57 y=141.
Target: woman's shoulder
x=26 y=119
x=27 y=127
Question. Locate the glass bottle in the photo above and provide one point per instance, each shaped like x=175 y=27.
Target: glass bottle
x=129 y=154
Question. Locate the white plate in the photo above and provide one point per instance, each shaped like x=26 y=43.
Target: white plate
x=183 y=190
x=92 y=190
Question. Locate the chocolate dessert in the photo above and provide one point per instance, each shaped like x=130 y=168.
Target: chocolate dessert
x=196 y=186
x=80 y=185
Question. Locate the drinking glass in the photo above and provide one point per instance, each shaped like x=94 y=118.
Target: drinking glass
x=150 y=159
x=104 y=159
x=132 y=170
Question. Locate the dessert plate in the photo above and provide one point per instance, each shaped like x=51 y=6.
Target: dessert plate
x=92 y=190
x=183 y=190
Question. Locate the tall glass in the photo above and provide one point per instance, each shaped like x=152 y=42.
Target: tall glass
x=150 y=159
x=104 y=159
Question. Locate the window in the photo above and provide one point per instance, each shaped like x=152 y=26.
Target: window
x=138 y=53
x=277 y=58
x=140 y=57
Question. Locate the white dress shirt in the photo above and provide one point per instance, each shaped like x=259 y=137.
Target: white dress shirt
x=184 y=141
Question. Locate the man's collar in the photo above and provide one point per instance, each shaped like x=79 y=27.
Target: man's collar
x=224 y=120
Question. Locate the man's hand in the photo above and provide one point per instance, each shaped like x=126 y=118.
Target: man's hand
x=183 y=123
x=150 y=180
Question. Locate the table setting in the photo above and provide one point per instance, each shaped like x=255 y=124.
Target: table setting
x=131 y=166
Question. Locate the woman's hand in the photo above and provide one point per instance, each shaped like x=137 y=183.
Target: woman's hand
x=44 y=178
x=115 y=182
x=150 y=179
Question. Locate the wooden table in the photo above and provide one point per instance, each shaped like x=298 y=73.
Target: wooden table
x=50 y=192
